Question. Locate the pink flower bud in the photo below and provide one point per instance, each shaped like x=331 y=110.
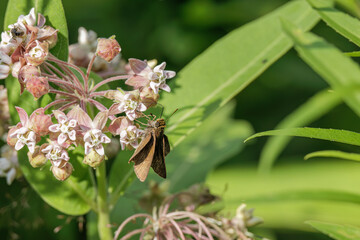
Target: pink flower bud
x=37 y=159
x=63 y=173
x=37 y=86
x=108 y=48
x=41 y=123
x=37 y=53
x=27 y=72
x=93 y=159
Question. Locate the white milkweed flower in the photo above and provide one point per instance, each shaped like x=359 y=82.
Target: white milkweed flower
x=9 y=166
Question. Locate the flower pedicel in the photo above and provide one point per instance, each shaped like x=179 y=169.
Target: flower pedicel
x=24 y=54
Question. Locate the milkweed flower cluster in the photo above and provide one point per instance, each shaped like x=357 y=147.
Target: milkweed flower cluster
x=52 y=131
x=183 y=222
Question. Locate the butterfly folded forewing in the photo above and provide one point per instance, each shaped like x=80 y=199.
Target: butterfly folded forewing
x=158 y=163
x=143 y=156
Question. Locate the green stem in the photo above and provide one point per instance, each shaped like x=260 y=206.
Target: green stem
x=103 y=210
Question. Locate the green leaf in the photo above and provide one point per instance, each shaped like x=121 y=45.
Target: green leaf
x=338 y=70
x=292 y=193
x=335 y=231
x=55 y=16
x=353 y=54
x=228 y=66
x=352 y=6
x=313 y=109
x=74 y=196
x=334 y=135
x=341 y=22
x=334 y=154
x=218 y=139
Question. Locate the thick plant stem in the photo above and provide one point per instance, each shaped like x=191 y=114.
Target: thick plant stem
x=103 y=210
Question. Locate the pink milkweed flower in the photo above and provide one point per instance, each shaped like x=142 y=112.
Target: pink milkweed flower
x=65 y=126
x=56 y=154
x=36 y=53
x=130 y=134
x=37 y=86
x=24 y=133
x=5 y=62
x=129 y=102
x=93 y=130
x=29 y=19
x=8 y=43
x=146 y=76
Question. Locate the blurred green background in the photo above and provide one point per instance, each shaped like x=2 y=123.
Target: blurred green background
x=176 y=32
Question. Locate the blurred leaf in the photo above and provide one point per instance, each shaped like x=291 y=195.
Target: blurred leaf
x=353 y=54
x=334 y=154
x=352 y=6
x=73 y=196
x=121 y=176
x=334 y=135
x=55 y=16
x=314 y=108
x=338 y=70
x=341 y=22
x=228 y=66
x=292 y=193
x=218 y=139
x=335 y=231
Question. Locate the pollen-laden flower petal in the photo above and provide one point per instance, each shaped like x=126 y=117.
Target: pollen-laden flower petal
x=56 y=154
x=37 y=86
x=37 y=53
x=94 y=139
x=5 y=62
x=9 y=166
x=65 y=126
x=108 y=48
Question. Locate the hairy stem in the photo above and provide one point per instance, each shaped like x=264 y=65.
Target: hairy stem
x=104 y=229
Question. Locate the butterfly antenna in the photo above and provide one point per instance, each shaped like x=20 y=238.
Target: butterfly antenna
x=171 y=114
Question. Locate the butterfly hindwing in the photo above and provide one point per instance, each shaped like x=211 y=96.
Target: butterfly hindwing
x=158 y=163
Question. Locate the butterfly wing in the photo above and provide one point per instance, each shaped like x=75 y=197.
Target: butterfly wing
x=143 y=156
x=158 y=163
x=166 y=145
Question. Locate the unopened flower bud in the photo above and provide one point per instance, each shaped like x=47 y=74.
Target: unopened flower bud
x=148 y=97
x=108 y=48
x=37 y=159
x=37 y=86
x=63 y=173
x=27 y=72
x=93 y=159
x=37 y=54
x=41 y=122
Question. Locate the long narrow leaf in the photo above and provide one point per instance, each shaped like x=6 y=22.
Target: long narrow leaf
x=313 y=109
x=333 y=135
x=341 y=22
x=334 y=154
x=340 y=71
